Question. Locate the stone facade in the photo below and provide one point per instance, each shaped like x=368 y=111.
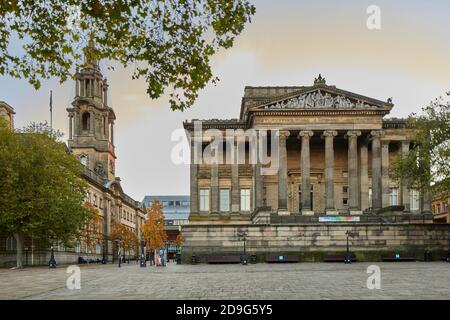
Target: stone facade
x=310 y=241
x=335 y=148
x=334 y=152
x=91 y=140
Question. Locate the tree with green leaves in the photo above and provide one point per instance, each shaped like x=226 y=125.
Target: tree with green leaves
x=169 y=43
x=43 y=192
x=427 y=165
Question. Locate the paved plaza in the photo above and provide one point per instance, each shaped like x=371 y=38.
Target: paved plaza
x=403 y=280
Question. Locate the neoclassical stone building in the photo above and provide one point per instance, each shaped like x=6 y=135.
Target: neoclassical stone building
x=334 y=151
x=335 y=148
x=91 y=140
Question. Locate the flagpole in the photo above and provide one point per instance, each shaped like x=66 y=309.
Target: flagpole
x=51 y=110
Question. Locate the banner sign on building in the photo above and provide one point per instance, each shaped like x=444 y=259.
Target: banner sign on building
x=339 y=219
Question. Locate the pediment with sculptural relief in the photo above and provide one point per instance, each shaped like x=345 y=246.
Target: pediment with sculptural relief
x=321 y=96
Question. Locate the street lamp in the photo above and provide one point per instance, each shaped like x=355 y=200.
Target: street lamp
x=104 y=251
x=118 y=252
x=52 y=261
x=348 y=257
x=448 y=254
x=142 y=260
x=243 y=236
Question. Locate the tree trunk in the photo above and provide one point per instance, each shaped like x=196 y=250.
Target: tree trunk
x=19 y=249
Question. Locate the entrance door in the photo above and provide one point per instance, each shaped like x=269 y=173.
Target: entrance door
x=300 y=197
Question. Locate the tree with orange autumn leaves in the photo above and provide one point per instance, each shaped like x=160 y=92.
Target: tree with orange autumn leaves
x=153 y=229
x=127 y=238
x=92 y=231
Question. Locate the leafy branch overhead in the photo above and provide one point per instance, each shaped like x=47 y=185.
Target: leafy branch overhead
x=169 y=43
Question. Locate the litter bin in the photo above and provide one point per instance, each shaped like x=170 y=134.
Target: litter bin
x=244 y=259
x=253 y=259
x=193 y=259
x=427 y=256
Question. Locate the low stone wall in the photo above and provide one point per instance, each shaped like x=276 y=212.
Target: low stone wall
x=8 y=259
x=311 y=241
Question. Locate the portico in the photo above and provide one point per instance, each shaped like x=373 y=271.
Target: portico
x=333 y=151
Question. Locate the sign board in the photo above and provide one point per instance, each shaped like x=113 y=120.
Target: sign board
x=339 y=219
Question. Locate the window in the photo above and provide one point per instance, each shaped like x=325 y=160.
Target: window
x=224 y=200
x=345 y=189
x=98 y=249
x=245 y=199
x=414 y=200
x=345 y=201
x=394 y=196
x=78 y=247
x=95 y=200
x=177 y=203
x=86 y=117
x=11 y=244
x=83 y=160
x=164 y=203
x=204 y=199
x=171 y=203
x=185 y=203
x=370 y=197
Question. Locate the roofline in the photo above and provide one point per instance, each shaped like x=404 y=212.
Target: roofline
x=7 y=106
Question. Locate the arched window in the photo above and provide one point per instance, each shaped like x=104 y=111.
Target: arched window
x=86 y=121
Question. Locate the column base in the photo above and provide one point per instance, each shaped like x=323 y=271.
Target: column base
x=307 y=213
x=355 y=212
x=332 y=212
x=283 y=212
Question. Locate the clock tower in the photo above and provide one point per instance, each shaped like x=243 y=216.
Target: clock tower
x=91 y=120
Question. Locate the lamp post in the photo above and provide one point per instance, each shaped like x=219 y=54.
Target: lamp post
x=104 y=251
x=448 y=254
x=243 y=236
x=348 y=257
x=118 y=252
x=143 y=263
x=52 y=261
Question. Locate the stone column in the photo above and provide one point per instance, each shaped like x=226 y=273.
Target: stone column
x=353 y=183
x=77 y=87
x=194 y=175
x=112 y=132
x=70 y=126
x=364 y=176
x=282 y=173
x=385 y=191
x=329 y=171
x=376 y=168
x=259 y=187
x=305 y=169
x=235 y=179
x=214 y=187
x=404 y=189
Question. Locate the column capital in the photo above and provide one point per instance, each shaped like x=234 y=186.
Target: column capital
x=353 y=133
x=330 y=133
x=377 y=133
x=385 y=143
x=284 y=134
x=305 y=134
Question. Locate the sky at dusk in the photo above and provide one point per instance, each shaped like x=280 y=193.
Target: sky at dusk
x=288 y=43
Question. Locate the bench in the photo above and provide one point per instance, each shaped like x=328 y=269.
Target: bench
x=282 y=259
x=338 y=257
x=223 y=259
x=397 y=257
